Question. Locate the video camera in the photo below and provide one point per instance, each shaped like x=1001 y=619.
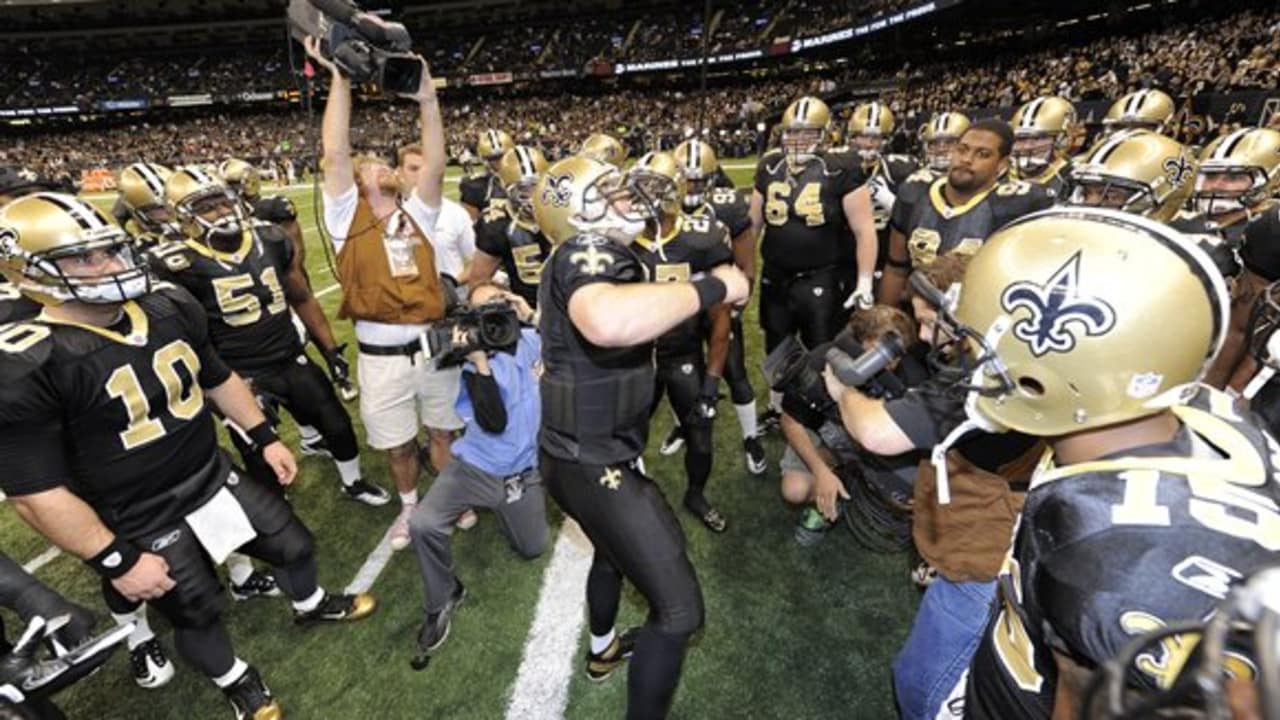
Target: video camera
x=365 y=48
x=796 y=372
x=491 y=327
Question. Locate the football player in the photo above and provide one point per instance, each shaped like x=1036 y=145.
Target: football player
x=1235 y=188
x=937 y=139
x=483 y=195
x=1155 y=493
x=1042 y=135
x=245 y=275
x=868 y=133
x=108 y=449
x=677 y=248
x=140 y=207
x=599 y=320
x=956 y=213
x=809 y=202
x=513 y=240
x=16 y=182
x=1135 y=171
x=705 y=197
x=1143 y=110
x=606 y=149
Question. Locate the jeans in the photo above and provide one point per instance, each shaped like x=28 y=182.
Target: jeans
x=937 y=653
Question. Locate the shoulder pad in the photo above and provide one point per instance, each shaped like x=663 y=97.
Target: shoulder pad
x=24 y=347
x=276 y=208
x=923 y=176
x=772 y=154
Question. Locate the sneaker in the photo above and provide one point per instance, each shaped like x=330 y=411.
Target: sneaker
x=756 y=461
x=674 y=441
x=435 y=629
x=251 y=699
x=367 y=493
x=812 y=528
x=258 y=584
x=601 y=666
x=703 y=510
x=400 y=529
x=338 y=608
x=768 y=421
x=151 y=669
x=316 y=448
x=467 y=520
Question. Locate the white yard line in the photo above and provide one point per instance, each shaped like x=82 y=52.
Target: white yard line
x=42 y=559
x=373 y=565
x=541 y=689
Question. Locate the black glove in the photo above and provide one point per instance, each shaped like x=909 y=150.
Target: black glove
x=704 y=409
x=340 y=371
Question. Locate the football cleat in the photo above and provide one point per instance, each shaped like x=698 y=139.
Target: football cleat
x=702 y=509
x=367 y=493
x=316 y=448
x=251 y=699
x=258 y=584
x=756 y=461
x=151 y=669
x=338 y=608
x=600 y=666
x=435 y=629
x=923 y=575
x=769 y=420
x=673 y=442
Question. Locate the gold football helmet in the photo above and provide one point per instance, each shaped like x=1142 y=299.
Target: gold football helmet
x=41 y=234
x=1146 y=109
x=1238 y=171
x=205 y=206
x=241 y=177
x=1136 y=171
x=518 y=171
x=803 y=132
x=141 y=187
x=583 y=195
x=699 y=164
x=493 y=144
x=605 y=148
x=1066 y=340
x=869 y=129
x=658 y=183
x=939 y=135
x=1042 y=132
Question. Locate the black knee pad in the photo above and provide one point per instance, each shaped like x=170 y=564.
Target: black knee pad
x=681 y=614
x=312 y=401
x=288 y=546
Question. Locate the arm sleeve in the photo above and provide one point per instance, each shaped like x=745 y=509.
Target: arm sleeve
x=486 y=398
x=489 y=239
x=762 y=176
x=902 y=208
x=424 y=215
x=927 y=414
x=852 y=176
x=471 y=193
x=339 y=213
x=32 y=455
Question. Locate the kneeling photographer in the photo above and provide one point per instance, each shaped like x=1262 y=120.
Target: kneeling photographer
x=963 y=527
x=494 y=463
x=822 y=464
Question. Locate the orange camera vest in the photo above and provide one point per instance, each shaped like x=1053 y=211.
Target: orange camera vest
x=370 y=291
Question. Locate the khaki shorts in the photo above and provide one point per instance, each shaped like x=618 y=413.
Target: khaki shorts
x=397 y=393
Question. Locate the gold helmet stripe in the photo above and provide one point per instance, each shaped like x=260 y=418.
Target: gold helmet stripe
x=200 y=176
x=1100 y=155
x=527 y=168
x=1029 y=117
x=873 y=115
x=692 y=149
x=1227 y=146
x=802 y=112
x=151 y=178
x=494 y=141
x=87 y=218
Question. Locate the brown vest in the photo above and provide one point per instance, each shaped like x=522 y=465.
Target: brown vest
x=967 y=539
x=370 y=292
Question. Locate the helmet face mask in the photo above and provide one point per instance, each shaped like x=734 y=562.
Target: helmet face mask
x=1224 y=190
x=1032 y=154
x=612 y=207
x=800 y=145
x=213 y=217
x=698 y=164
x=937 y=153
x=520 y=199
x=695 y=191
x=869 y=146
x=1098 y=191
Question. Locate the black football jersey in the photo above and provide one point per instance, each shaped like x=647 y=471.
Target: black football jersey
x=522 y=251
x=933 y=226
x=595 y=400
x=1053 y=179
x=695 y=245
x=116 y=414
x=804 y=224
x=1223 y=243
x=249 y=320
x=484 y=193
x=729 y=206
x=14 y=306
x=274 y=209
x=1109 y=550
x=887 y=174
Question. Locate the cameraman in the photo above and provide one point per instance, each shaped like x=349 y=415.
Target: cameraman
x=964 y=541
x=494 y=466
x=391 y=287
x=808 y=464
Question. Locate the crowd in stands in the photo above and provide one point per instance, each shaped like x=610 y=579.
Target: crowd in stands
x=1239 y=52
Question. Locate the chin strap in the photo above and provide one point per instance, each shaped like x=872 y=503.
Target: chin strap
x=938 y=458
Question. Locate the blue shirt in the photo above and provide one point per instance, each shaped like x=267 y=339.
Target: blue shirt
x=515 y=448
